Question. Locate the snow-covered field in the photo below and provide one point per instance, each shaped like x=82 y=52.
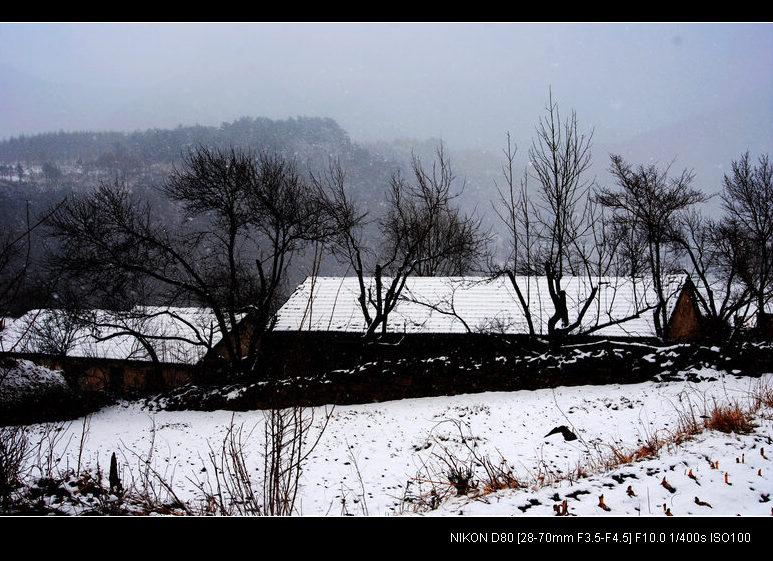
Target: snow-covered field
x=385 y=459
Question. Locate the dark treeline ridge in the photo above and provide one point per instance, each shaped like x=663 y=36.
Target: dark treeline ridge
x=76 y=161
x=165 y=145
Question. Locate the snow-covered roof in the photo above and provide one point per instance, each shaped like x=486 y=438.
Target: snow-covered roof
x=177 y=335
x=475 y=304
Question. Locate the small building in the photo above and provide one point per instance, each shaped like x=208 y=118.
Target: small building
x=144 y=349
x=690 y=322
x=686 y=321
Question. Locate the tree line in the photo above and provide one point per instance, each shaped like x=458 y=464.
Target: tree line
x=166 y=145
x=240 y=218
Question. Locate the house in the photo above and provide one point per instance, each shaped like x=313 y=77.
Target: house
x=321 y=325
x=457 y=305
x=145 y=348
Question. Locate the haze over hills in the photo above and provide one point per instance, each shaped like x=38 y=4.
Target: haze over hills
x=143 y=157
x=691 y=142
x=54 y=165
x=742 y=123
x=58 y=163
x=688 y=144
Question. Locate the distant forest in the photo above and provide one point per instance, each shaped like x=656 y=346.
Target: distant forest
x=38 y=171
x=166 y=145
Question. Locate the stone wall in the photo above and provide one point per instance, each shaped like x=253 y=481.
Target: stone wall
x=117 y=377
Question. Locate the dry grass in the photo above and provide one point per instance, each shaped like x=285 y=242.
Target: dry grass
x=146 y=490
x=499 y=476
x=731 y=418
x=619 y=456
x=762 y=398
x=475 y=476
x=482 y=476
x=15 y=451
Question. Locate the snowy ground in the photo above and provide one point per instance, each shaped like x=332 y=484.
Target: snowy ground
x=373 y=457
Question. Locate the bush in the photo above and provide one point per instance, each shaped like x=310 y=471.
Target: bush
x=729 y=418
x=30 y=393
x=14 y=453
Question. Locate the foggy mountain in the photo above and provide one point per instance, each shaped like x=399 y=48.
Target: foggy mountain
x=743 y=125
x=80 y=160
x=143 y=157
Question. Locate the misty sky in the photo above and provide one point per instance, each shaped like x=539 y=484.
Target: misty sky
x=466 y=83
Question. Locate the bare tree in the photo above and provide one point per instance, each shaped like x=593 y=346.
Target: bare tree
x=422 y=232
x=290 y=437
x=16 y=257
x=241 y=220
x=54 y=332
x=553 y=233
x=161 y=334
x=424 y=227
x=647 y=204
x=748 y=200
x=514 y=211
x=716 y=252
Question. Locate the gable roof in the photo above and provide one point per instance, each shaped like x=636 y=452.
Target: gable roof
x=177 y=335
x=473 y=304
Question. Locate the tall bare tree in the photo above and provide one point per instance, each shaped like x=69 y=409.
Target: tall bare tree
x=552 y=231
x=241 y=218
x=716 y=256
x=647 y=203
x=16 y=256
x=422 y=231
x=748 y=200
x=515 y=213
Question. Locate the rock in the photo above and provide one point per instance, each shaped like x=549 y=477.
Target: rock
x=563 y=430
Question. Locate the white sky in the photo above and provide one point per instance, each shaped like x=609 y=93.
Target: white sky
x=467 y=83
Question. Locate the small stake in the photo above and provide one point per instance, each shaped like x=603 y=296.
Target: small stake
x=702 y=503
